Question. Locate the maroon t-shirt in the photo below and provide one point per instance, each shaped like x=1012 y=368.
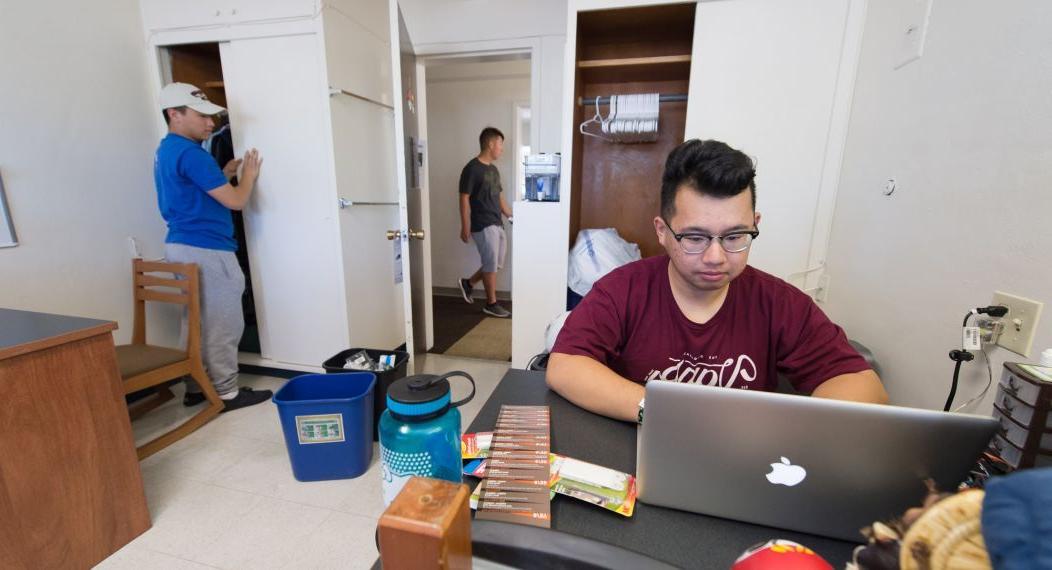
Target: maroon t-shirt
x=631 y=323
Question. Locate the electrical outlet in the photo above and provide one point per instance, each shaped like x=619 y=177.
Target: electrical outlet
x=1020 y=322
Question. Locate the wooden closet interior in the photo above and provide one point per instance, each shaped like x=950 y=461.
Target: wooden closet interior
x=200 y=65
x=625 y=51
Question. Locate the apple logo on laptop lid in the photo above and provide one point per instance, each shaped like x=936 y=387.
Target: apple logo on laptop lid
x=785 y=473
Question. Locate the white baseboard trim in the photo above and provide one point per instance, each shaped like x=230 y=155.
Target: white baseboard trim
x=257 y=360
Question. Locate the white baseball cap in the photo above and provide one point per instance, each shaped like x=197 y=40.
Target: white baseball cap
x=186 y=95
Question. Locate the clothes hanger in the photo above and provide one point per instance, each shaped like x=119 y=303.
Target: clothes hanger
x=598 y=118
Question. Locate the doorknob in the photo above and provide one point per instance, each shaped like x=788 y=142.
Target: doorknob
x=411 y=234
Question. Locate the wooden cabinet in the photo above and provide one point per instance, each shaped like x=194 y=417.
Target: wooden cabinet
x=643 y=49
x=70 y=484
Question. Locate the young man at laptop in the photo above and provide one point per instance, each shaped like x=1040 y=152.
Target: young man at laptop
x=700 y=314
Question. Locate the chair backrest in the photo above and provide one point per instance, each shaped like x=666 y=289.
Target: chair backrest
x=180 y=289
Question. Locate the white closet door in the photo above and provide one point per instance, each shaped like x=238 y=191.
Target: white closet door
x=763 y=79
x=358 y=48
x=278 y=100
x=363 y=143
x=359 y=61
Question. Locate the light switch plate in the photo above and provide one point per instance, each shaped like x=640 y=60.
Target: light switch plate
x=1020 y=322
x=911 y=31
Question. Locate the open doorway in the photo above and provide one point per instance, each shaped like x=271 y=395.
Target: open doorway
x=465 y=94
x=200 y=65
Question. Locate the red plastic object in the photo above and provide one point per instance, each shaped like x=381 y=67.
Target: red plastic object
x=781 y=555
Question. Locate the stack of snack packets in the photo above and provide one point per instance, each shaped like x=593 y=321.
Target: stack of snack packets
x=601 y=486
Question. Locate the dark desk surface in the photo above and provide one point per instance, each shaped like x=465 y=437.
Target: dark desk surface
x=27 y=331
x=684 y=539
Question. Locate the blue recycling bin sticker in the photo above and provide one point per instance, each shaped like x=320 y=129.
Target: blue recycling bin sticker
x=323 y=428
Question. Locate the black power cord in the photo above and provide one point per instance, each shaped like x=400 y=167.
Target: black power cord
x=961 y=355
x=957 y=356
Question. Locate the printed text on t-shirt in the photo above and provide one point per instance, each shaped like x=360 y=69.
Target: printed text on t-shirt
x=708 y=371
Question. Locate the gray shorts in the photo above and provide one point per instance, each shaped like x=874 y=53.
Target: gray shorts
x=492 y=244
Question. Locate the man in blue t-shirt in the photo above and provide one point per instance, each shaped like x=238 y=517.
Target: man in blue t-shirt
x=195 y=198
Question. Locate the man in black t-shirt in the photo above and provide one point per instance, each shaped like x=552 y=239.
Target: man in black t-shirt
x=481 y=206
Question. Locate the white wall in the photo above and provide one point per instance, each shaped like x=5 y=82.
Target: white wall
x=967 y=132
x=76 y=152
x=440 y=21
x=462 y=99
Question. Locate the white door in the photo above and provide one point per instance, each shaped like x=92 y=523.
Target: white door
x=276 y=92
x=417 y=208
x=420 y=216
x=322 y=108
x=771 y=77
x=368 y=152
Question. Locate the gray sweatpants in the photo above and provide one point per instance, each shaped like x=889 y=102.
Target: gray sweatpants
x=222 y=321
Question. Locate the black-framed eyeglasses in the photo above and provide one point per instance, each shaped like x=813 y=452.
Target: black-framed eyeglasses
x=735 y=241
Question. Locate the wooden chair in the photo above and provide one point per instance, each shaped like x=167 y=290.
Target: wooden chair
x=144 y=366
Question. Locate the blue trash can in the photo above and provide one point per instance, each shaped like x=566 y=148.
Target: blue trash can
x=328 y=423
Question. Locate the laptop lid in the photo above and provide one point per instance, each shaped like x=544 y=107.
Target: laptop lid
x=814 y=465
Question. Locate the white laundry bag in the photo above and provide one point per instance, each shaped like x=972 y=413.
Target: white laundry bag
x=596 y=253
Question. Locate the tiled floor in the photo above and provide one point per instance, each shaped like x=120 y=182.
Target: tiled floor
x=224 y=497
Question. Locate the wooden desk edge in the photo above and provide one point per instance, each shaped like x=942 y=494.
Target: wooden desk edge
x=48 y=342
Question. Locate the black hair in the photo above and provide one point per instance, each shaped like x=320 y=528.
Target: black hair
x=167 y=119
x=709 y=167
x=488 y=134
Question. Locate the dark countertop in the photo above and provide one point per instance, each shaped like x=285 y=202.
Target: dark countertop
x=684 y=539
x=26 y=331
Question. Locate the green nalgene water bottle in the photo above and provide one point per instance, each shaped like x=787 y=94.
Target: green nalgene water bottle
x=420 y=431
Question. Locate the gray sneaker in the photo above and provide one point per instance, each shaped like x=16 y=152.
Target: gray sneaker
x=495 y=310
x=465 y=291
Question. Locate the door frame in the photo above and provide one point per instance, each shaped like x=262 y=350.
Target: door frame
x=395 y=34
x=531 y=47
x=516 y=136
x=429 y=54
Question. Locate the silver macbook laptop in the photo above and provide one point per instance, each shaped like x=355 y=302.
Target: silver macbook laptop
x=807 y=464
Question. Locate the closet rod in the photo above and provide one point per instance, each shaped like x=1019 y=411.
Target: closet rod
x=345 y=203
x=583 y=101
x=334 y=91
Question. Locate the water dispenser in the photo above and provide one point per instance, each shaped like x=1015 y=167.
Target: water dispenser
x=542 y=177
